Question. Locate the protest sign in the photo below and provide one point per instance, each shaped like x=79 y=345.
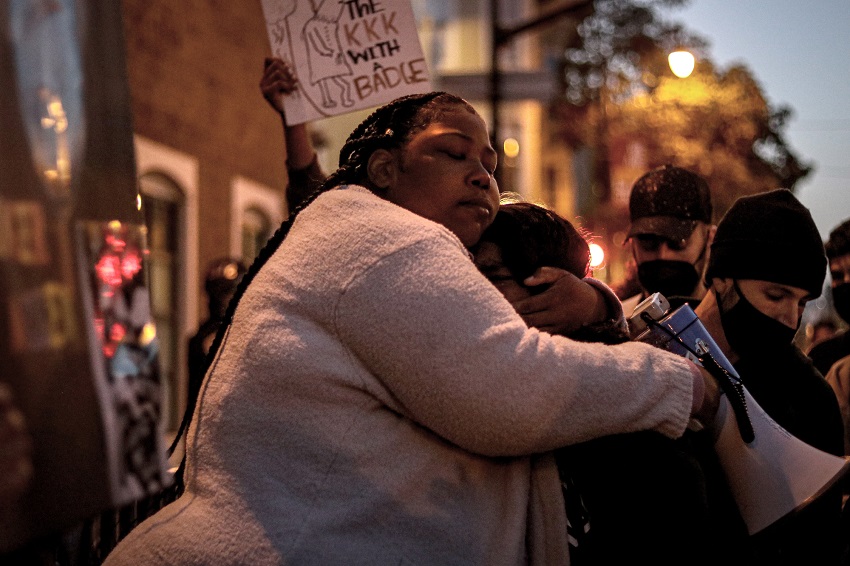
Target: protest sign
x=348 y=54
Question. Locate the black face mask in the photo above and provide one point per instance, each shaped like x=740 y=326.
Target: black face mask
x=841 y=300
x=669 y=277
x=750 y=331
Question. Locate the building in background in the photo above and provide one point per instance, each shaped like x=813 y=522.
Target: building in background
x=209 y=155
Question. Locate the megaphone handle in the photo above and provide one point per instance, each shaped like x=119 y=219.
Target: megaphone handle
x=730 y=385
x=735 y=393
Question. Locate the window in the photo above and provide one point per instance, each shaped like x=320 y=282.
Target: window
x=256 y=212
x=162 y=207
x=171 y=178
x=256 y=230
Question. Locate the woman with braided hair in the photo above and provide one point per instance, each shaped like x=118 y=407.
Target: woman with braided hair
x=374 y=399
x=550 y=310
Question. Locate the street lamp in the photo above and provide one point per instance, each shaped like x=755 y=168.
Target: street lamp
x=681 y=63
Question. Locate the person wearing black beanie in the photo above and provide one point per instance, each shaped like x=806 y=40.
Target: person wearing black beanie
x=770 y=237
x=767 y=261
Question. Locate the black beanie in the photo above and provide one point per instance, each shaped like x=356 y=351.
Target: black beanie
x=770 y=237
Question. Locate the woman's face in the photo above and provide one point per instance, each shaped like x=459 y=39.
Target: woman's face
x=445 y=173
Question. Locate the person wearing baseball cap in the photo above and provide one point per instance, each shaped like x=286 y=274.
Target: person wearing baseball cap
x=670 y=234
x=767 y=261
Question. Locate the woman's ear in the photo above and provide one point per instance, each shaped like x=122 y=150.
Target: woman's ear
x=382 y=168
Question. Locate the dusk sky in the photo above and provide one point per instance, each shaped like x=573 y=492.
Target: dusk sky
x=800 y=54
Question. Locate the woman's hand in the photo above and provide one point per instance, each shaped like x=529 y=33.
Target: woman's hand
x=565 y=306
x=278 y=80
x=707 y=410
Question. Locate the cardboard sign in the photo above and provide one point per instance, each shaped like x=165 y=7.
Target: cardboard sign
x=348 y=54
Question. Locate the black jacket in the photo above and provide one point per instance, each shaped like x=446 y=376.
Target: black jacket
x=789 y=389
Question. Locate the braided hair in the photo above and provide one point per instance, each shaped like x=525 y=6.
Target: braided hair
x=390 y=126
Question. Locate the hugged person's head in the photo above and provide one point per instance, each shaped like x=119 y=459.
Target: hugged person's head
x=525 y=237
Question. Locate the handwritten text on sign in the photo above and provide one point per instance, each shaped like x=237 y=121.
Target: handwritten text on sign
x=348 y=54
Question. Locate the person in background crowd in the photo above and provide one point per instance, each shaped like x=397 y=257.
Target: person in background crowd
x=223 y=276
x=832 y=356
x=767 y=260
x=630 y=498
x=819 y=332
x=838 y=378
x=365 y=330
x=670 y=235
x=837 y=247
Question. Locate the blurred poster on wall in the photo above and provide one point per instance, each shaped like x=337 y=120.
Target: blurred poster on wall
x=78 y=349
x=348 y=54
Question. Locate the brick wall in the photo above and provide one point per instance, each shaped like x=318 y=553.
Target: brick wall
x=194 y=68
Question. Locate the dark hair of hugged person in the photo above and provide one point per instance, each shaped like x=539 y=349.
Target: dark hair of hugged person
x=531 y=236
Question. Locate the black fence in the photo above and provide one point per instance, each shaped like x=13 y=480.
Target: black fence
x=89 y=543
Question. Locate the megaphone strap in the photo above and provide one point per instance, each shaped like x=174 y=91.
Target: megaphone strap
x=731 y=385
x=734 y=392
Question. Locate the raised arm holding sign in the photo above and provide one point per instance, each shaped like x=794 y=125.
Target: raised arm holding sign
x=349 y=54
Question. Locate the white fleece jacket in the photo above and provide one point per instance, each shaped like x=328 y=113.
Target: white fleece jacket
x=377 y=401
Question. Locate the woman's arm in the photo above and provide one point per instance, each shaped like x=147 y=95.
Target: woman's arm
x=456 y=358
x=303 y=170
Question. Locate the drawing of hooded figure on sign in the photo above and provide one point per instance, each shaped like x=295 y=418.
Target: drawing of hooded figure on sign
x=325 y=55
x=277 y=14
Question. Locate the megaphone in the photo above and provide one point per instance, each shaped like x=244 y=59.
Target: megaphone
x=771 y=473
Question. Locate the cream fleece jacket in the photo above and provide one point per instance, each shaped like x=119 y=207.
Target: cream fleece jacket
x=377 y=401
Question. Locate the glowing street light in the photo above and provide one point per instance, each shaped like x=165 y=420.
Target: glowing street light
x=597 y=255
x=511 y=147
x=681 y=63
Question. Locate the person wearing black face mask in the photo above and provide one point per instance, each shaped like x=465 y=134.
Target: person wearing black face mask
x=832 y=356
x=767 y=260
x=825 y=354
x=670 y=234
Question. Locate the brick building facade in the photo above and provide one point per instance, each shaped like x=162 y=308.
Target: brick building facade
x=204 y=132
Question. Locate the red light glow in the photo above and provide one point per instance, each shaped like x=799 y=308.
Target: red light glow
x=117 y=332
x=131 y=264
x=108 y=269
